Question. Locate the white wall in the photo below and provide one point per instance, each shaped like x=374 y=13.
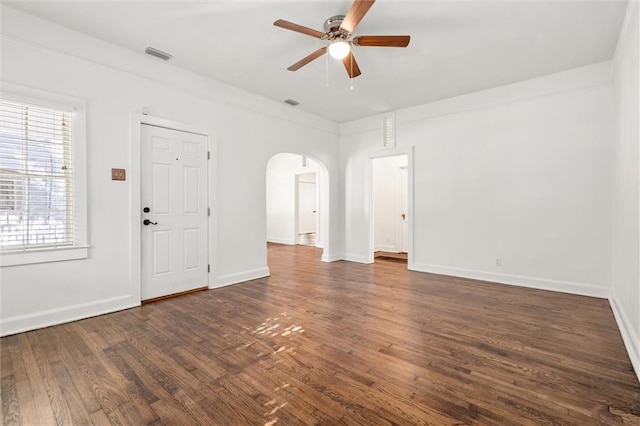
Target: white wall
x=625 y=296
x=520 y=172
x=387 y=202
x=281 y=202
x=116 y=83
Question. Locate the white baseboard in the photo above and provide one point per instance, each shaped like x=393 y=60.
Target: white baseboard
x=240 y=277
x=65 y=314
x=277 y=240
x=331 y=257
x=356 y=258
x=571 y=287
x=631 y=340
x=390 y=249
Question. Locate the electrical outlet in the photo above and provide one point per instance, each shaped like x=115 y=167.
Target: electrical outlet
x=118 y=174
x=498 y=261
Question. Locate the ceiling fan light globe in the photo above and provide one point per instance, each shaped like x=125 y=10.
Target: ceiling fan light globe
x=339 y=49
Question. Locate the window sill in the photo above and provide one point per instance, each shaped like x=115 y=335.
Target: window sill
x=45 y=255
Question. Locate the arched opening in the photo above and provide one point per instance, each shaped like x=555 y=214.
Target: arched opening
x=297 y=196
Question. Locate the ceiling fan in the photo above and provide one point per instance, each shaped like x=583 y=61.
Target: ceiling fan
x=339 y=34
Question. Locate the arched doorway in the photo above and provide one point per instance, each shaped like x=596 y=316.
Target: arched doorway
x=297 y=195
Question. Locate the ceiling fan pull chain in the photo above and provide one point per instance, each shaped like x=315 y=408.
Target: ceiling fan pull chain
x=326 y=70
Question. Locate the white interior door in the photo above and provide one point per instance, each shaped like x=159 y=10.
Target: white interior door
x=307 y=208
x=404 y=200
x=174 y=189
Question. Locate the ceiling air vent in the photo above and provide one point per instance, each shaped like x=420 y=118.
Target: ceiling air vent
x=389 y=131
x=291 y=102
x=158 y=53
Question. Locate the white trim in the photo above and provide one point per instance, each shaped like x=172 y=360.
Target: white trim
x=358 y=258
x=278 y=240
x=631 y=340
x=392 y=152
x=583 y=289
x=137 y=120
x=66 y=314
x=391 y=249
x=38 y=98
x=43 y=255
x=240 y=277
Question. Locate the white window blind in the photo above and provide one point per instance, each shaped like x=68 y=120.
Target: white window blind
x=36 y=176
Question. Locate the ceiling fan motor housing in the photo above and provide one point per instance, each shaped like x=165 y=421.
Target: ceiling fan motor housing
x=337 y=33
x=332 y=28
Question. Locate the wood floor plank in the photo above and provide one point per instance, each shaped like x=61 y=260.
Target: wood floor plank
x=10 y=412
x=330 y=343
x=38 y=393
x=45 y=352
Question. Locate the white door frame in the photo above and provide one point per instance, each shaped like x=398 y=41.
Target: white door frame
x=393 y=152
x=296 y=198
x=137 y=120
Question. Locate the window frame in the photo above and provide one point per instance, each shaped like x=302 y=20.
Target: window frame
x=79 y=249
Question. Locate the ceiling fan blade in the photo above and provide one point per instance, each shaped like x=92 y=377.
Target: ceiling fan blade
x=304 y=61
x=358 y=9
x=298 y=28
x=382 y=41
x=351 y=65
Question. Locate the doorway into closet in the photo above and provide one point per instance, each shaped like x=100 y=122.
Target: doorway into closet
x=390 y=208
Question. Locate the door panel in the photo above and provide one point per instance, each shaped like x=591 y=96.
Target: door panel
x=161 y=252
x=191 y=190
x=174 y=187
x=191 y=248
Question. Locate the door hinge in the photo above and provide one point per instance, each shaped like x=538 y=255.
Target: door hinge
x=208 y=155
x=208 y=211
x=209 y=267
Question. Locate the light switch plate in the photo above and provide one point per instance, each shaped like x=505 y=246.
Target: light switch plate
x=118 y=174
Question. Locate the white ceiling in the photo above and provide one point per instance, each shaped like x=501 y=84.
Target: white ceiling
x=456 y=47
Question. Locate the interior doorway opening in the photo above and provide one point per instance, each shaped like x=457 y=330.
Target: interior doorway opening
x=297 y=196
x=390 y=208
x=306 y=196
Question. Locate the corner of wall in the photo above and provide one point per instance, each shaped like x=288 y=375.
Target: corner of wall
x=331 y=257
x=630 y=20
x=239 y=277
x=630 y=339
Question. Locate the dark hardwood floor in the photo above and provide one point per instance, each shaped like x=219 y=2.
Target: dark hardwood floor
x=330 y=343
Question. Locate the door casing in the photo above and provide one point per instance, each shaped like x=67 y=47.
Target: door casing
x=179 y=237
x=392 y=152
x=137 y=120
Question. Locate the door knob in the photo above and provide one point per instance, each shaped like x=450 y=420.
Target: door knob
x=147 y=222
x=404 y=216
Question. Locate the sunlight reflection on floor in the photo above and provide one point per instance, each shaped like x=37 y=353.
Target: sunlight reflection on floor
x=273 y=328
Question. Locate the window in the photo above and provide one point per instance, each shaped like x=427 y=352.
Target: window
x=41 y=208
